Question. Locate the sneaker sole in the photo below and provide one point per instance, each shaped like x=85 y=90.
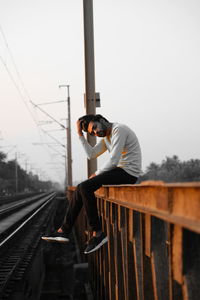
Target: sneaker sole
x=54 y=240
x=105 y=240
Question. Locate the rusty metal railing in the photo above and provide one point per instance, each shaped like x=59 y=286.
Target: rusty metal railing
x=154 y=242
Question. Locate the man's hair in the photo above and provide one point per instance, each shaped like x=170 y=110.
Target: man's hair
x=85 y=120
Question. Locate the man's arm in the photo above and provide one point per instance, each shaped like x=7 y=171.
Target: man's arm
x=118 y=142
x=79 y=129
x=91 y=152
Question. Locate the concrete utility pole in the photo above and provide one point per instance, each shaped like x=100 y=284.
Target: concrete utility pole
x=90 y=101
x=69 y=147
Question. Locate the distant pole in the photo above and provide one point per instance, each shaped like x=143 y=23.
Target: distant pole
x=16 y=174
x=66 y=182
x=26 y=170
x=69 y=147
x=90 y=101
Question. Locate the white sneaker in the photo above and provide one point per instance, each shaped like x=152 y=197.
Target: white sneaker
x=57 y=237
x=95 y=243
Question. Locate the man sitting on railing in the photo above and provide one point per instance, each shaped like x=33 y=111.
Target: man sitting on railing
x=123 y=167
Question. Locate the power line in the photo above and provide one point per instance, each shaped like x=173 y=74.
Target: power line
x=14 y=64
x=24 y=89
x=17 y=87
x=53 y=138
x=35 y=105
x=19 y=91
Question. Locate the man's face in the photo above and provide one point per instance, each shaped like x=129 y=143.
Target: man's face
x=97 y=128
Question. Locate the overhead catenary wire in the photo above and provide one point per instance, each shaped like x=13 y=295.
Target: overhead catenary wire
x=22 y=87
x=14 y=64
x=36 y=105
x=58 y=152
x=20 y=93
x=53 y=138
x=18 y=75
x=52 y=102
x=18 y=89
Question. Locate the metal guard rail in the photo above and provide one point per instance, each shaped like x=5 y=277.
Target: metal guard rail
x=154 y=242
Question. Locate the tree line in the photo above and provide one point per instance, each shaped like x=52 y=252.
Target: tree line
x=14 y=179
x=172 y=169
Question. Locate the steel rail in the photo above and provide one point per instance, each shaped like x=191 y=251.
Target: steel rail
x=12 y=206
x=18 y=247
x=26 y=221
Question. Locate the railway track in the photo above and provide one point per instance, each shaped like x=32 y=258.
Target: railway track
x=10 y=199
x=22 y=223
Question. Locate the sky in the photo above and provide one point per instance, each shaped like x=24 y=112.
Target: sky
x=147 y=71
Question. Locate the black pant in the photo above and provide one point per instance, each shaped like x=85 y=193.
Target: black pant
x=84 y=195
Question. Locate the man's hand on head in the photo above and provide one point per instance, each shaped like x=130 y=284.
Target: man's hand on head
x=79 y=128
